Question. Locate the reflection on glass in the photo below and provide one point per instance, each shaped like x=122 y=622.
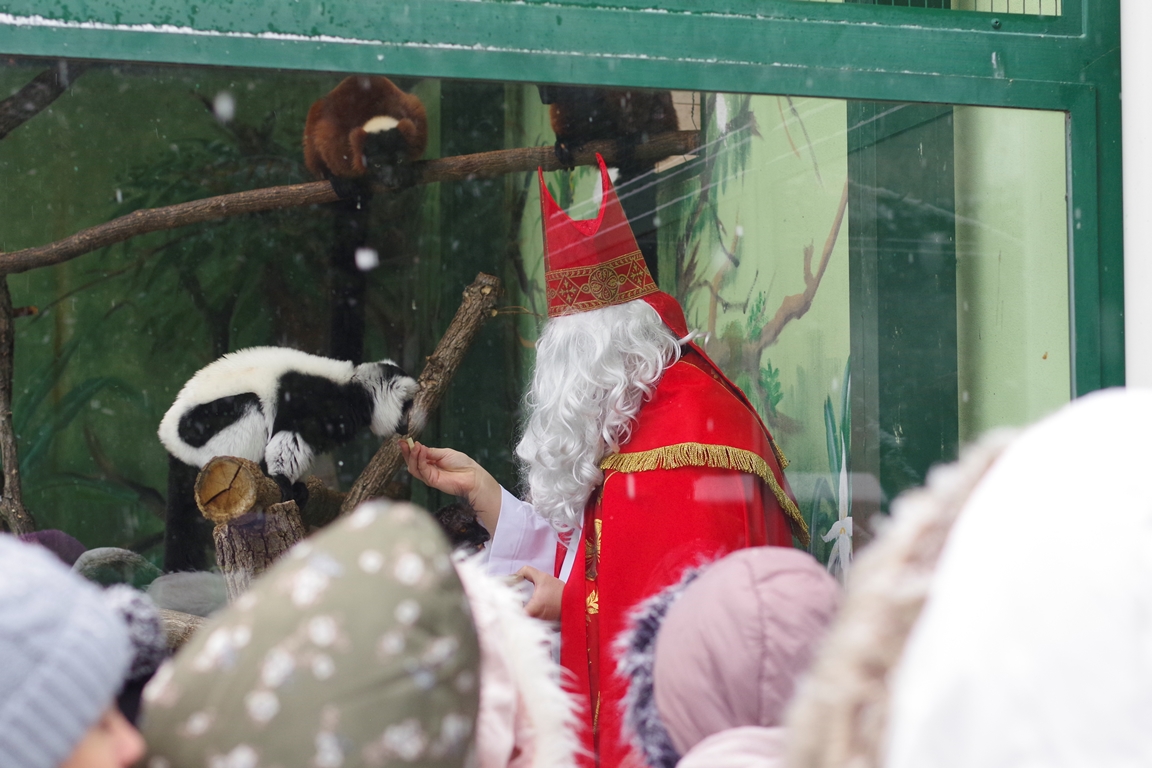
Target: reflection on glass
x=884 y=281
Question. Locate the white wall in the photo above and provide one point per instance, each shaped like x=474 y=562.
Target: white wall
x=1136 y=86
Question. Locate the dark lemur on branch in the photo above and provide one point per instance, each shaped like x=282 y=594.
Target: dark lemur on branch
x=365 y=131
x=275 y=406
x=629 y=116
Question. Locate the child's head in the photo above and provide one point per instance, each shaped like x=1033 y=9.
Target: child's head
x=723 y=649
x=65 y=653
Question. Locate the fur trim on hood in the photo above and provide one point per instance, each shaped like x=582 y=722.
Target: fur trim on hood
x=636 y=648
x=722 y=649
x=840 y=716
x=526 y=719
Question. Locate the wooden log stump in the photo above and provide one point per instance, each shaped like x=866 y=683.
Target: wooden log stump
x=229 y=487
x=253 y=527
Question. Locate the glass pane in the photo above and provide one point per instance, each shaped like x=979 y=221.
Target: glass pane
x=884 y=281
x=1029 y=7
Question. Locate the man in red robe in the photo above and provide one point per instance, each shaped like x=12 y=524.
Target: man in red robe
x=641 y=459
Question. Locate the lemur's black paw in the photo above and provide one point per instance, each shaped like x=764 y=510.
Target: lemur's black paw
x=565 y=153
x=347 y=189
x=286 y=487
x=300 y=493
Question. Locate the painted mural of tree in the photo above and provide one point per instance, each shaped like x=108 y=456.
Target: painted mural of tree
x=740 y=347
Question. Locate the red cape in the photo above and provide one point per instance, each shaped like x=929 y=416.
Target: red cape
x=699 y=477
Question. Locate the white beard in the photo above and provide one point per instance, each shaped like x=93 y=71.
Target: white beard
x=593 y=372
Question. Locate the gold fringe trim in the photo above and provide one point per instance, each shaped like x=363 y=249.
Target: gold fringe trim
x=716 y=457
x=781 y=459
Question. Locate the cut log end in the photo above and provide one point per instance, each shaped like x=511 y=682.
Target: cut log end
x=229 y=487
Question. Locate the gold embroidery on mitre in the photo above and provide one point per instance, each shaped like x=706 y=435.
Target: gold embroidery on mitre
x=604 y=284
x=615 y=281
x=565 y=290
x=592 y=603
x=715 y=457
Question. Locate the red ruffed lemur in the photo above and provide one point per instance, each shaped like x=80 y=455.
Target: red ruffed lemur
x=365 y=131
x=365 y=127
x=580 y=115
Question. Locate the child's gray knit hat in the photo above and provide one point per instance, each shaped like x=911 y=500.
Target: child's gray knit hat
x=64 y=652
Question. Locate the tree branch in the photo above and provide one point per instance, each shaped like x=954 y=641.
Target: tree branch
x=478 y=166
x=476 y=307
x=12 y=508
x=44 y=89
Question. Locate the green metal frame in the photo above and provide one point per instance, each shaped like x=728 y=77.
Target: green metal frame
x=1069 y=63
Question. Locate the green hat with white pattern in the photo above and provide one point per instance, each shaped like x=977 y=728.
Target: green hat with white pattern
x=356 y=650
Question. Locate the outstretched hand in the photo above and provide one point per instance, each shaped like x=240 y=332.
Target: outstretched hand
x=458 y=474
x=545 y=601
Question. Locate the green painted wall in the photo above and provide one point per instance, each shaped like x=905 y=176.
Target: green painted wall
x=1012 y=267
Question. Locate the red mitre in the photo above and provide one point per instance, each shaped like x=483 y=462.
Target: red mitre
x=591 y=263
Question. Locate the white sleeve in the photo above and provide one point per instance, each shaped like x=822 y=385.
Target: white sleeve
x=521 y=538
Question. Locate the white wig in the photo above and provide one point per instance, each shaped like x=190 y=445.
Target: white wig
x=593 y=372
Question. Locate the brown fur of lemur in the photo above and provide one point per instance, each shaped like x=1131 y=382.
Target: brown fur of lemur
x=362 y=111
x=365 y=131
x=580 y=115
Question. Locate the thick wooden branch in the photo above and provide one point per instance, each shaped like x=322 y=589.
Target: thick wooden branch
x=43 y=89
x=477 y=306
x=16 y=517
x=149 y=220
x=796 y=305
x=477 y=166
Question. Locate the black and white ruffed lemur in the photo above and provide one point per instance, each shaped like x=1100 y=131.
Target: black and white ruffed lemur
x=365 y=131
x=629 y=116
x=276 y=406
